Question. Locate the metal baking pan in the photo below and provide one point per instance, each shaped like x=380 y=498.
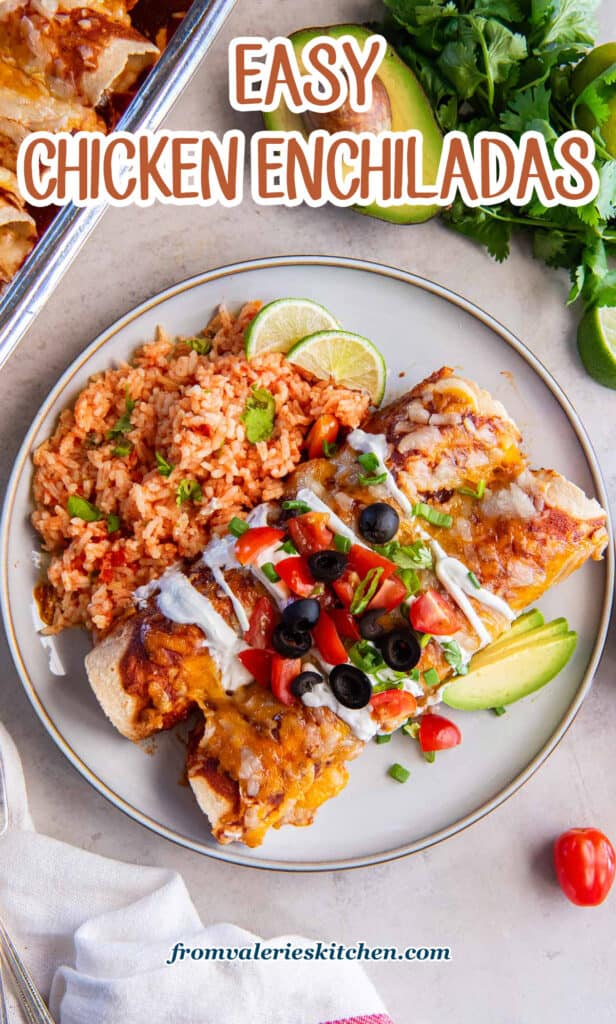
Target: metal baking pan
x=57 y=248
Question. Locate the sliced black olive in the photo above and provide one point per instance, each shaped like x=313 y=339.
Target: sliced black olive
x=327 y=566
x=400 y=649
x=350 y=686
x=304 y=682
x=378 y=522
x=291 y=643
x=370 y=625
x=302 y=614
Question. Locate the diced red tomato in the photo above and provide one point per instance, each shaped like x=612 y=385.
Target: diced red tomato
x=249 y=546
x=361 y=560
x=259 y=664
x=389 y=595
x=392 y=707
x=438 y=733
x=345 y=623
x=432 y=613
x=284 y=671
x=261 y=624
x=310 y=533
x=585 y=864
x=325 y=428
x=296 y=574
x=345 y=586
x=328 y=641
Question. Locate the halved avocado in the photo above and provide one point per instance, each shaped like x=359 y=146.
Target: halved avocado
x=410 y=109
x=520 y=671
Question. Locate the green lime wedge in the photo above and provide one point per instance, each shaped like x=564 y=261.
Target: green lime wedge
x=347 y=359
x=282 y=323
x=597 y=344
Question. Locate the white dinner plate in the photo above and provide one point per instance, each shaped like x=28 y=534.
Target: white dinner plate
x=419 y=327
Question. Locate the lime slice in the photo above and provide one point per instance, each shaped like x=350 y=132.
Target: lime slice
x=282 y=323
x=345 y=358
x=597 y=344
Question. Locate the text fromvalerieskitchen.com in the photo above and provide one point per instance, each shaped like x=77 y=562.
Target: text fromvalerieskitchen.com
x=315 y=951
x=309 y=165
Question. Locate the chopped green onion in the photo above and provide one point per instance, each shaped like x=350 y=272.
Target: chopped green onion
x=368 y=461
x=296 y=506
x=79 y=508
x=424 y=640
x=430 y=756
x=432 y=515
x=386 y=684
x=113 y=523
x=383 y=738
x=411 y=581
x=414 y=675
x=164 y=468
x=499 y=711
x=474 y=580
x=366 y=656
x=478 y=494
x=329 y=449
x=342 y=544
x=454 y=657
x=411 y=729
x=397 y=772
x=269 y=571
x=288 y=547
x=431 y=677
x=122 y=449
x=366 y=590
x=237 y=526
x=372 y=481
x=188 y=490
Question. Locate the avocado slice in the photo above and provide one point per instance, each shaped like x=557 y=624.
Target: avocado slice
x=523 y=624
x=497 y=651
x=518 y=673
x=410 y=109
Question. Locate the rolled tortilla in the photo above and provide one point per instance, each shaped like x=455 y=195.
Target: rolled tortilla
x=26 y=105
x=81 y=53
x=17 y=228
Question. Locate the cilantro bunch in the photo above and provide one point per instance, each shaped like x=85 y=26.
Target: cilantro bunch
x=507 y=65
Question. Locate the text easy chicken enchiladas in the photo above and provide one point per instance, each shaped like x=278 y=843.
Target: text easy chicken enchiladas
x=410 y=547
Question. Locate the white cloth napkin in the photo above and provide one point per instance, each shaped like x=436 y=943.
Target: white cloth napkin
x=95 y=934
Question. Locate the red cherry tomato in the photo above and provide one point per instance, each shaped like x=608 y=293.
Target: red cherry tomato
x=389 y=595
x=325 y=428
x=249 y=546
x=284 y=671
x=261 y=624
x=328 y=641
x=296 y=574
x=432 y=613
x=258 y=663
x=362 y=560
x=392 y=707
x=345 y=586
x=585 y=864
x=438 y=733
x=345 y=623
x=310 y=533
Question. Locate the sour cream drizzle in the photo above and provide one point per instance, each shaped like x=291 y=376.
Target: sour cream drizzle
x=181 y=602
x=219 y=555
x=451 y=572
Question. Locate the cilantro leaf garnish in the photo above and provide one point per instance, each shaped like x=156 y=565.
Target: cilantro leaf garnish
x=164 y=468
x=123 y=425
x=259 y=415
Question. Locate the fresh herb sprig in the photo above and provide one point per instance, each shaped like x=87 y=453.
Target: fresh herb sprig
x=506 y=66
